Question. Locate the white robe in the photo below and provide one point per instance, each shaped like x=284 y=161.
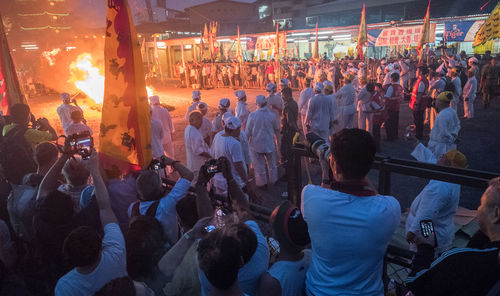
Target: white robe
x=230 y=148
x=319 y=115
x=64 y=111
x=457 y=93
x=242 y=113
x=346 y=97
x=163 y=116
x=261 y=126
x=444 y=132
x=469 y=94
x=438 y=201
x=156 y=138
x=195 y=145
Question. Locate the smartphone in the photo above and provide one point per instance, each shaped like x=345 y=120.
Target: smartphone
x=427 y=228
x=209 y=228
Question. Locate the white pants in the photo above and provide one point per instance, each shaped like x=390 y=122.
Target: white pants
x=365 y=121
x=264 y=164
x=469 y=109
x=347 y=121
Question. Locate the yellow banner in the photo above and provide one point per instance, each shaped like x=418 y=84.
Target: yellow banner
x=125 y=137
x=490 y=29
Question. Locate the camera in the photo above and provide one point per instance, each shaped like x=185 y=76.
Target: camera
x=81 y=144
x=318 y=146
x=157 y=164
x=213 y=166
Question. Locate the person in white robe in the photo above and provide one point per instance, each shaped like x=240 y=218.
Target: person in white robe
x=305 y=96
x=197 y=151
x=156 y=138
x=162 y=115
x=196 y=100
x=260 y=130
x=346 y=97
x=320 y=116
x=228 y=145
x=469 y=94
x=241 y=109
x=65 y=109
x=438 y=201
x=328 y=91
x=455 y=80
x=445 y=131
x=365 y=112
x=206 y=126
x=217 y=125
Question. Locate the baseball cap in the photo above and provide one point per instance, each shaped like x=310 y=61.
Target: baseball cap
x=224 y=103
x=240 y=94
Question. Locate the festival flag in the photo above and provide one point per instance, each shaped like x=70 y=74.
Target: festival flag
x=425 y=34
x=239 y=51
x=125 y=135
x=362 y=35
x=277 y=44
x=202 y=46
x=490 y=29
x=315 y=54
x=205 y=33
x=11 y=92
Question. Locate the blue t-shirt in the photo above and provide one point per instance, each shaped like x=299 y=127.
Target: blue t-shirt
x=349 y=237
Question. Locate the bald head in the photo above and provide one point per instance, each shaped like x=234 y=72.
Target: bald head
x=196 y=119
x=488 y=213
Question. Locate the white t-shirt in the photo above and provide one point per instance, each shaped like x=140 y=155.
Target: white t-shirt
x=349 y=237
x=113 y=265
x=292 y=274
x=249 y=274
x=64 y=111
x=195 y=145
x=260 y=129
x=78 y=128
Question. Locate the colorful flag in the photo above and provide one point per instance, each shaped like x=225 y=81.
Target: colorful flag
x=490 y=29
x=205 y=33
x=125 y=135
x=202 y=46
x=425 y=35
x=362 y=35
x=315 y=54
x=277 y=44
x=239 y=51
x=11 y=92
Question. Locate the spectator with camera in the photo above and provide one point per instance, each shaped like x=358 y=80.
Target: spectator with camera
x=287 y=275
x=16 y=149
x=155 y=201
x=65 y=110
x=252 y=258
x=350 y=225
x=463 y=271
x=96 y=261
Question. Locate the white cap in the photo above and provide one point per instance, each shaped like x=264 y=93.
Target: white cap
x=271 y=87
x=154 y=100
x=232 y=122
x=240 y=94
x=261 y=100
x=196 y=94
x=284 y=81
x=319 y=86
x=224 y=103
x=65 y=96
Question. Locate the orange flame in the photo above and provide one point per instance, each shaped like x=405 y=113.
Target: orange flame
x=87 y=77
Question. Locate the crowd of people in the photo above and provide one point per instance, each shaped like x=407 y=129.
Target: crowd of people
x=71 y=227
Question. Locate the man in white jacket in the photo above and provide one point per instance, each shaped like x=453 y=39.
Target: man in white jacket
x=455 y=80
x=445 y=131
x=438 y=201
x=346 y=97
x=320 y=114
x=261 y=126
x=305 y=96
x=197 y=151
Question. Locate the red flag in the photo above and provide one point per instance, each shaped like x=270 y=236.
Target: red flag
x=125 y=137
x=11 y=92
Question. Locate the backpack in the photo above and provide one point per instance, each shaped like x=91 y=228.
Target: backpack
x=16 y=155
x=21 y=208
